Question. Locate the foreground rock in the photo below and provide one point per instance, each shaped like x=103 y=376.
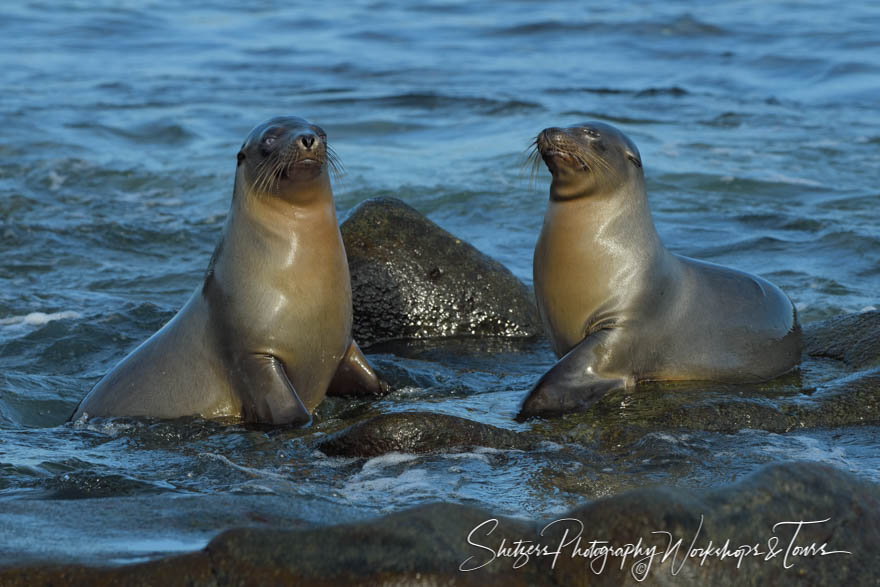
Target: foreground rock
x=417 y=432
x=411 y=279
x=430 y=545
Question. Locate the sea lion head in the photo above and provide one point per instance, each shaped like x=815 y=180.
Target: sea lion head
x=587 y=159
x=283 y=155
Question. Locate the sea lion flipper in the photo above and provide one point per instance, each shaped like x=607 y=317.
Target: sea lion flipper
x=273 y=398
x=572 y=384
x=354 y=376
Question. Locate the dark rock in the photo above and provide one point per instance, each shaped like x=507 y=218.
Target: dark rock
x=851 y=338
x=192 y=570
x=411 y=279
x=852 y=400
x=417 y=432
x=745 y=514
x=421 y=546
x=847 y=401
x=429 y=545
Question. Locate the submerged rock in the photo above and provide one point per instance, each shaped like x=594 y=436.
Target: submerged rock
x=838 y=513
x=417 y=432
x=853 y=400
x=411 y=279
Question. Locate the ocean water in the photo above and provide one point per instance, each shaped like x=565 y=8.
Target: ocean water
x=759 y=128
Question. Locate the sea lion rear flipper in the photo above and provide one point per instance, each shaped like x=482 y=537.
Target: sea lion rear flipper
x=273 y=399
x=354 y=376
x=572 y=384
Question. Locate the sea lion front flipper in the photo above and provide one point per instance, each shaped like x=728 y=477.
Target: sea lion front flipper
x=273 y=399
x=354 y=376
x=572 y=384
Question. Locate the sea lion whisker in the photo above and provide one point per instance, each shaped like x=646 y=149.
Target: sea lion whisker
x=532 y=161
x=535 y=167
x=336 y=167
x=278 y=171
x=259 y=170
x=263 y=171
x=273 y=176
x=263 y=184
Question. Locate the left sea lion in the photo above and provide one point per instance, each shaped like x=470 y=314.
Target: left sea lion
x=268 y=333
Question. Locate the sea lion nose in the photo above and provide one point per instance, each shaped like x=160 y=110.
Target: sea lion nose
x=548 y=137
x=307 y=140
x=551 y=134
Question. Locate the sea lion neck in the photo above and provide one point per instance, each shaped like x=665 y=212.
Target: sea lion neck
x=566 y=192
x=616 y=220
x=293 y=194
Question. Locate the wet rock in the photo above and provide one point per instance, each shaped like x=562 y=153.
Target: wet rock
x=847 y=401
x=745 y=514
x=851 y=338
x=853 y=400
x=421 y=546
x=411 y=279
x=621 y=418
x=431 y=544
x=418 y=432
x=193 y=570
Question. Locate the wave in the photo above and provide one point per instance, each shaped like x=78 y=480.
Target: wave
x=39 y=318
x=684 y=25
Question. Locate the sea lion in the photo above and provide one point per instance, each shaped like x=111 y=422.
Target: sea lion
x=268 y=332
x=618 y=307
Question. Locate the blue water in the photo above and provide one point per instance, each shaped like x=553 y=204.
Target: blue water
x=759 y=128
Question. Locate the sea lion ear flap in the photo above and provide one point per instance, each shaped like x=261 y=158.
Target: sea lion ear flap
x=240 y=158
x=636 y=161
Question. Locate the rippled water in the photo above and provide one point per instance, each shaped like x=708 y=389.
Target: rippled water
x=758 y=124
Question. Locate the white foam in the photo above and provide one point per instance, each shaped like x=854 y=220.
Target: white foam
x=332 y=462
x=387 y=460
x=104 y=426
x=868 y=309
x=411 y=483
x=670 y=438
x=144 y=549
x=249 y=487
x=487 y=450
x=469 y=455
x=790 y=179
x=549 y=446
x=56 y=180
x=38 y=318
x=811 y=449
x=256 y=473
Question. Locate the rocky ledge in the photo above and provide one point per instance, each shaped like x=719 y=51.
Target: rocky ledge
x=803 y=523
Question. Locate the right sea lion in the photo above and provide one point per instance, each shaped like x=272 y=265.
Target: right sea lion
x=618 y=307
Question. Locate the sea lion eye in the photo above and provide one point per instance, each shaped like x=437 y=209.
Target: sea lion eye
x=268 y=141
x=592 y=133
